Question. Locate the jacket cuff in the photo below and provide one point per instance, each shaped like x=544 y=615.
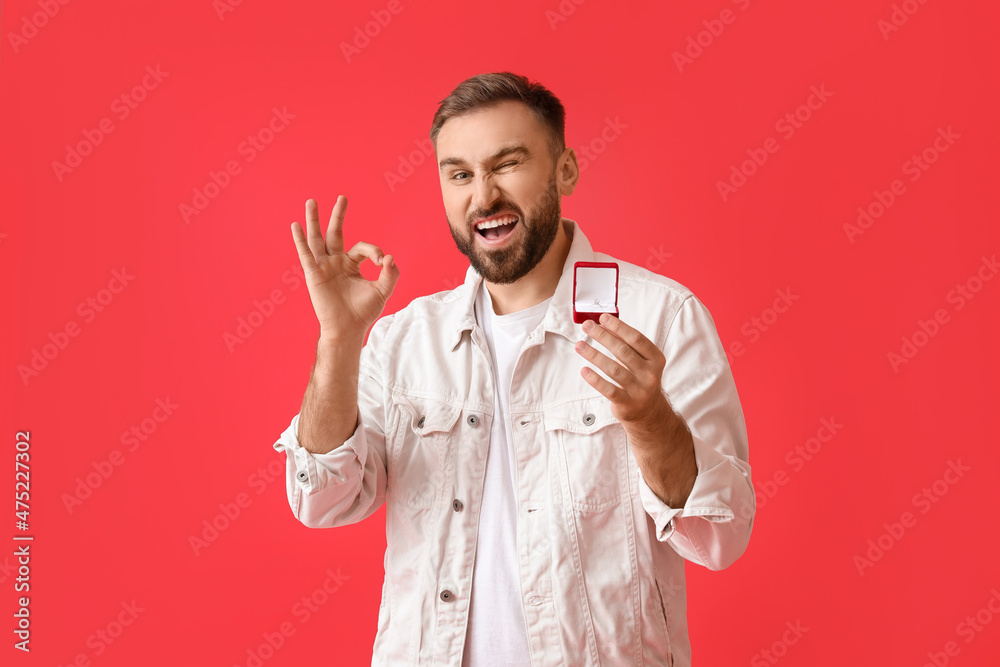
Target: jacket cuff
x=308 y=472
x=710 y=498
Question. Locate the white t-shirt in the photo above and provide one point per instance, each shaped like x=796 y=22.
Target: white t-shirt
x=497 y=634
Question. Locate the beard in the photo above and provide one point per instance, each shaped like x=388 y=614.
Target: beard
x=512 y=262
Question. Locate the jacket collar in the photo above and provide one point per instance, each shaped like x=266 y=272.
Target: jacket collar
x=559 y=316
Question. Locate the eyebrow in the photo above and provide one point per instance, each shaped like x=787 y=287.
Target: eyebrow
x=503 y=152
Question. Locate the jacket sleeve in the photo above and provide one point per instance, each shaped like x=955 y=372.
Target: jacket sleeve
x=348 y=483
x=713 y=528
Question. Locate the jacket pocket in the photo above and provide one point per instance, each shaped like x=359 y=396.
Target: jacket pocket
x=665 y=624
x=420 y=455
x=593 y=448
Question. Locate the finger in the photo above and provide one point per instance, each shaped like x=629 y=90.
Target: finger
x=313 y=236
x=389 y=275
x=613 y=393
x=361 y=250
x=335 y=231
x=306 y=258
x=635 y=339
x=614 y=370
x=618 y=347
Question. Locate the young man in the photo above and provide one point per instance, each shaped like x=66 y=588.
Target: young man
x=543 y=480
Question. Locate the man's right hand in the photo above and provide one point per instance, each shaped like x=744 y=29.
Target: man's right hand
x=346 y=303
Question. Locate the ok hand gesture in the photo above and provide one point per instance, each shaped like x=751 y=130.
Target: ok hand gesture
x=346 y=303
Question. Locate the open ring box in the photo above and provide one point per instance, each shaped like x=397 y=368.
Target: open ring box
x=595 y=290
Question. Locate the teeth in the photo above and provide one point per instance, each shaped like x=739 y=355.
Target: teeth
x=506 y=220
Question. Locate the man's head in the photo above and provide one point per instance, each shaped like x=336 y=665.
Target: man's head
x=500 y=145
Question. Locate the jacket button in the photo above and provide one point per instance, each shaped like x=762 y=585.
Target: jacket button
x=473 y=420
x=301 y=475
x=457 y=505
x=447 y=596
x=420 y=424
x=588 y=419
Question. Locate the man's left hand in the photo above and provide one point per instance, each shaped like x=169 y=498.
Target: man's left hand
x=660 y=439
x=637 y=398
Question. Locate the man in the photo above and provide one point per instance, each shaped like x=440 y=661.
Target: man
x=543 y=481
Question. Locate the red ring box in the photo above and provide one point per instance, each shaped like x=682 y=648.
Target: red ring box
x=595 y=290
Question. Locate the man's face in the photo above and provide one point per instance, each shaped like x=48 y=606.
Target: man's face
x=496 y=164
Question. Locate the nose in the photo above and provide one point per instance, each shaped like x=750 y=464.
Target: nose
x=485 y=192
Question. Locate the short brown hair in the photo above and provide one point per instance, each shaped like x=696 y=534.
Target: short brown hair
x=485 y=90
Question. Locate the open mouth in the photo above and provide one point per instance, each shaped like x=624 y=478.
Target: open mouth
x=498 y=228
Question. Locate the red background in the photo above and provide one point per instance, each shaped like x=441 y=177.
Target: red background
x=654 y=187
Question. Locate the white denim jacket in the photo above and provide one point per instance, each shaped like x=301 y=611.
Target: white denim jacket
x=600 y=556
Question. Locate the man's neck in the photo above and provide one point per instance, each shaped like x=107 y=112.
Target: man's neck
x=537 y=285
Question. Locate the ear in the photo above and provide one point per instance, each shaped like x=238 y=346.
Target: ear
x=567 y=171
